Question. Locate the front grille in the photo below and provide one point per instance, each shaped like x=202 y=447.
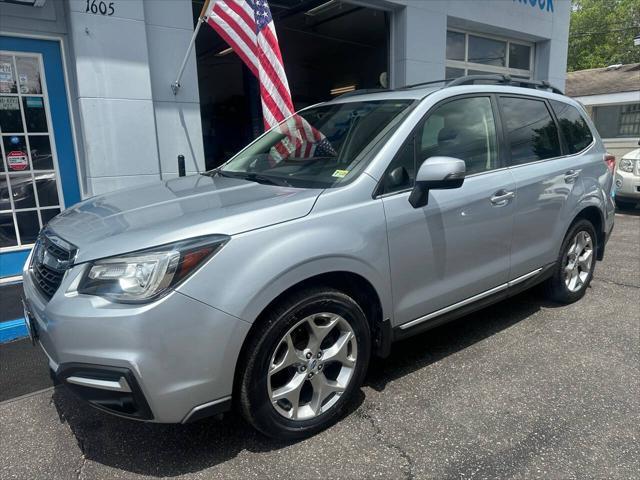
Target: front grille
x=52 y=257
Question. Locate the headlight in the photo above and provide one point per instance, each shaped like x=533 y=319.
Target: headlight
x=142 y=276
x=626 y=165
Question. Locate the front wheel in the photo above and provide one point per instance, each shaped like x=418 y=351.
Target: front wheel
x=304 y=363
x=575 y=265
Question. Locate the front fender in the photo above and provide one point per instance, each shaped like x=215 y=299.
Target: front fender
x=256 y=267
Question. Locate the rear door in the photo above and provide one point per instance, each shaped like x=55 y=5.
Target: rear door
x=548 y=181
x=457 y=246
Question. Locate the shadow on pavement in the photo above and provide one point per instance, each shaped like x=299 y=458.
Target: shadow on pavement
x=627 y=210
x=170 y=450
x=422 y=350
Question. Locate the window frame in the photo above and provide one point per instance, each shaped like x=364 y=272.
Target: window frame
x=507 y=144
x=466 y=65
x=500 y=139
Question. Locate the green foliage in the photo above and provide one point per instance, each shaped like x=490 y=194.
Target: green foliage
x=601 y=33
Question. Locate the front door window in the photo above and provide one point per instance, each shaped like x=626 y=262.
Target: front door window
x=29 y=181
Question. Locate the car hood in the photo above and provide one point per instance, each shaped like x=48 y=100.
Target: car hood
x=164 y=212
x=633 y=154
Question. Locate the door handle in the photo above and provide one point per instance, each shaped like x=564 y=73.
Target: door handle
x=502 y=197
x=571 y=175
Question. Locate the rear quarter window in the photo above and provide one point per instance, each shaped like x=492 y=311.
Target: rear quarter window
x=573 y=126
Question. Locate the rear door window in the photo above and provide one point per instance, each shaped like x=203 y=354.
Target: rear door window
x=531 y=132
x=573 y=126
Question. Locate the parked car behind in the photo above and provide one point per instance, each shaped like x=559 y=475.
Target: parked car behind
x=628 y=180
x=268 y=283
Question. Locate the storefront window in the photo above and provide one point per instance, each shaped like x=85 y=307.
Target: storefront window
x=473 y=54
x=487 y=51
x=29 y=194
x=456 y=46
x=617 y=121
x=519 y=56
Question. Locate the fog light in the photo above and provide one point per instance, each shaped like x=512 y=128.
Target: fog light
x=618 y=183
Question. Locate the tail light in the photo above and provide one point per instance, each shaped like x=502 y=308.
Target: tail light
x=610 y=160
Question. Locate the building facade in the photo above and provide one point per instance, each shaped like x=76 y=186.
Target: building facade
x=86 y=105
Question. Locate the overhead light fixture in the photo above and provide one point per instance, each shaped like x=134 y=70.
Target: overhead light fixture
x=322 y=8
x=224 y=52
x=341 y=90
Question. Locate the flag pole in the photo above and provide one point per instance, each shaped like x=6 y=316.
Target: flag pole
x=175 y=86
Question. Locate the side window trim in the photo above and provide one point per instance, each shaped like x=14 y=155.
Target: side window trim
x=550 y=111
x=503 y=152
x=377 y=192
x=564 y=147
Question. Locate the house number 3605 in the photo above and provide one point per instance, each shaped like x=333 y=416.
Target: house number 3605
x=103 y=8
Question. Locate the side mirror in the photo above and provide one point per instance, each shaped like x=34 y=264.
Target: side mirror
x=436 y=173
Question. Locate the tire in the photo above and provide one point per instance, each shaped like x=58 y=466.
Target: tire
x=285 y=336
x=556 y=287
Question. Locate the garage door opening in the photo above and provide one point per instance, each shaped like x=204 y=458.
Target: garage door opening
x=328 y=48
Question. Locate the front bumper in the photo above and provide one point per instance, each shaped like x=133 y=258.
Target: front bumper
x=627 y=185
x=177 y=355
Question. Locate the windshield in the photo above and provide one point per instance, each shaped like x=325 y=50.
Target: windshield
x=319 y=147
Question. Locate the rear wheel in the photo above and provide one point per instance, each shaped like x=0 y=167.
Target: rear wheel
x=304 y=363
x=575 y=265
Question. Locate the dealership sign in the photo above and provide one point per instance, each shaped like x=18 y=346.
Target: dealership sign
x=541 y=4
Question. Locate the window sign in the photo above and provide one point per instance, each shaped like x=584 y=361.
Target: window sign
x=29 y=180
x=7 y=79
x=28 y=75
x=10 y=117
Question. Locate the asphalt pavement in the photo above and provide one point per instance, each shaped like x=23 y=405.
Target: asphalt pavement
x=523 y=389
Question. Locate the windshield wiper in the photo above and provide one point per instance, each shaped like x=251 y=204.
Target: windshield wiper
x=256 y=177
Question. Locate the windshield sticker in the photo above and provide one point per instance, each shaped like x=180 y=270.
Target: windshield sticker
x=340 y=173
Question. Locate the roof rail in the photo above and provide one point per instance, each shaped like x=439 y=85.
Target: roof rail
x=413 y=85
x=498 y=79
x=362 y=92
x=504 y=80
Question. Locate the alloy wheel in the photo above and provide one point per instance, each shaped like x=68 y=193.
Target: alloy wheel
x=578 y=261
x=312 y=366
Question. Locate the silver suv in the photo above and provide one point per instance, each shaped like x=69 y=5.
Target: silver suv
x=268 y=283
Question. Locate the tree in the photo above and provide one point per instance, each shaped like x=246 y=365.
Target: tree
x=601 y=33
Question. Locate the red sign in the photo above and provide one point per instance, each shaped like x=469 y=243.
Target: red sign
x=17 y=160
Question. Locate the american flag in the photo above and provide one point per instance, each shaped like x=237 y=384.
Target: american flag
x=301 y=140
x=247 y=27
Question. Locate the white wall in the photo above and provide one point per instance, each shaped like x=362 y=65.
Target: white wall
x=132 y=126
